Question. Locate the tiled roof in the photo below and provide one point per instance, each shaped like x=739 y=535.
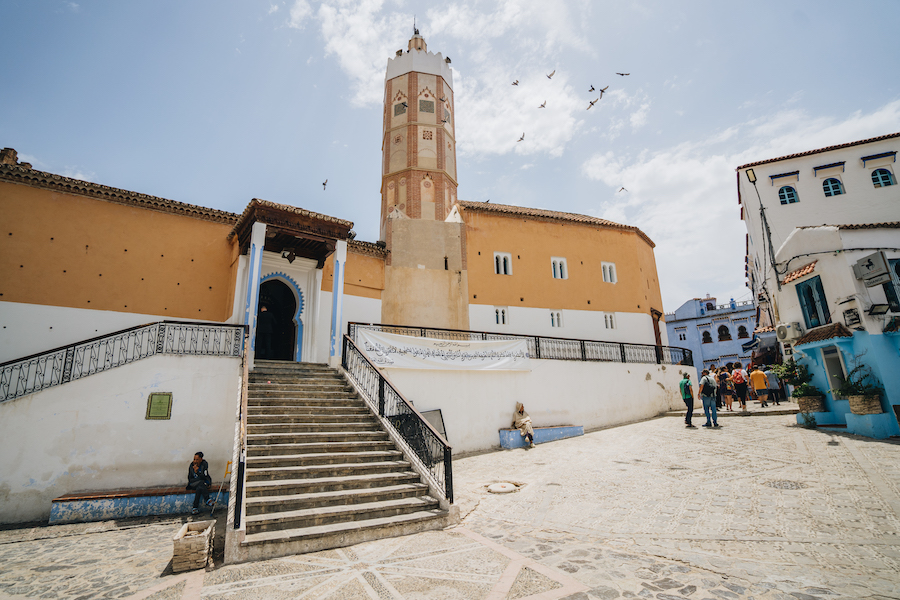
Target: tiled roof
x=886 y=225
x=820 y=334
x=820 y=150
x=286 y=208
x=367 y=248
x=764 y=329
x=58 y=183
x=550 y=214
x=797 y=274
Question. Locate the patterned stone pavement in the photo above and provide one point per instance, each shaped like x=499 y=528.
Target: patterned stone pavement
x=760 y=509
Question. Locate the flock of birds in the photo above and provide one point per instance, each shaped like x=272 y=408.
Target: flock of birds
x=590 y=104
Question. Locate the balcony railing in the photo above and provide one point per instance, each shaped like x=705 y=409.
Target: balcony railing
x=550 y=348
x=48 y=369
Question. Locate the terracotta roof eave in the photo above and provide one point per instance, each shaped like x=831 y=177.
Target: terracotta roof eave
x=884 y=225
x=820 y=150
x=367 y=248
x=58 y=183
x=287 y=208
x=509 y=209
x=820 y=334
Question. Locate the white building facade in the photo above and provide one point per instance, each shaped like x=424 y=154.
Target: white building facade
x=823 y=257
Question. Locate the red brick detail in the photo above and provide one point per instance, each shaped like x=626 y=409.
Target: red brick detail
x=413 y=98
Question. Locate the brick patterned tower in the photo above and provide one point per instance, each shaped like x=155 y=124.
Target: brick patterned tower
x=425 y=276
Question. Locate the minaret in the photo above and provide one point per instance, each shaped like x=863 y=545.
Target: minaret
x=425 y=276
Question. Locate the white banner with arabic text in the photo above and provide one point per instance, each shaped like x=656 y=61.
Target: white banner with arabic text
x=388 y=350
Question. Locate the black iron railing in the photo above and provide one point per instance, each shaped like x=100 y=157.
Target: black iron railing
x=550 y=348
x=422 y=441
x=76 y=361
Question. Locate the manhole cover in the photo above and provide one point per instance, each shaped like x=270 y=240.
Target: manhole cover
x=783 y=484
x=502 y=488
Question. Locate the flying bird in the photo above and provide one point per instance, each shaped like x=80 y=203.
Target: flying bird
x=621 y=189
x=521 y=138
x=623 y=74
x=592 y=88
x=544 y=105
x=593 y=102
x=603 y=90
x=550 y=76
x=516 y=82
x=324 y=184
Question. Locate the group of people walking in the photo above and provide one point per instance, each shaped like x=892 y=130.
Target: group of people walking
x=719 y=387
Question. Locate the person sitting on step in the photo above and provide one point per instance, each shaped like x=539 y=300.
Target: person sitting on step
x=199 y=481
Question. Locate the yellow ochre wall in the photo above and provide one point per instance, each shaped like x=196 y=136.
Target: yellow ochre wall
x=364 y=276
x=67 y=250
x=533 y=241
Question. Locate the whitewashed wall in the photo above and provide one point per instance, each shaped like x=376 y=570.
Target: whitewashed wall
x=476 y=404
x=356 y=308
x=635 y=328
x=91 y=434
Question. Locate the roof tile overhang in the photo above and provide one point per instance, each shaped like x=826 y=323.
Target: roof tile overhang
x=306 y=233
x=820 y=334
x=820 y=150
x=801 y=272
x=523 y=211
x=58 y=183
x=885 y=225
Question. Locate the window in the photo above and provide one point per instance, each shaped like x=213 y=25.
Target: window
x=892 y=288
x=426 y=106
x=609 y=321
x=724 y=334
x=500 y=315
x=882 y=178
x=787 y=195
x=742 y=332
x=502 y=263
x=682 y=337
x=559 y=268
x=609 y=272
x=399 y=109
x=832 y=187
x=707 y=337
x=555 y=318
x=812 y=302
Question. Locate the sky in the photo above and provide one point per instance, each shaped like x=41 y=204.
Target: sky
x=216 y=102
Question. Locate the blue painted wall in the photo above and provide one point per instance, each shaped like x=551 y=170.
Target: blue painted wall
x=697 y=315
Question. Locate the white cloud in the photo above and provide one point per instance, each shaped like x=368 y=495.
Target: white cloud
x=273 y=9
x=639 y=117
x=300 y=11
x=684 y=197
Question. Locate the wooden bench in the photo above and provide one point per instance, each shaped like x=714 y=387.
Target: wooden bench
x=512 y=438
x=84 y=507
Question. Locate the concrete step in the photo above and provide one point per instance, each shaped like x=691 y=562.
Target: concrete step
x=276 y=504
x=328 y=403
x=286 y=542
x=279 y=417
x=308 y=437
x=295 y=473
x=315 y=447
x=299 y=393
x=327 y=515
x=306 y=427
x=321 y=458
x=337 y=411
x=284 y=487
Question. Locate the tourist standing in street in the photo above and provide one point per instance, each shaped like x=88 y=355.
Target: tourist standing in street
x=687 y=394
x=708 y=387
x=739 y=377
x=726 y=388
x=760 y=385
x=774 y=385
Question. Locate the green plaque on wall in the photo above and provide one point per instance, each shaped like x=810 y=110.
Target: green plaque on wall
x=159 y=405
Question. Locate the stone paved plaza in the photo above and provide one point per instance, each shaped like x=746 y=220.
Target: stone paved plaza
x=758 y=509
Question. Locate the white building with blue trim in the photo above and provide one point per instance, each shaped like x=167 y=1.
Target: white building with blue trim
x=823 y=232
x=714 y=333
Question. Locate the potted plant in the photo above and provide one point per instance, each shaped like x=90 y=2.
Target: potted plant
x=861 y=388
x=810 y=399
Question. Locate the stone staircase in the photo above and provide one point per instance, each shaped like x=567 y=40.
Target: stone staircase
x=320 y=471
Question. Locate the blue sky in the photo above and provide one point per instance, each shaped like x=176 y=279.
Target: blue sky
x=217 y=102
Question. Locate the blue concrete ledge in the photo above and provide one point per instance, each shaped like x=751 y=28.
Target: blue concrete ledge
x=511 y=438
x=880 y=426
x=100 y=506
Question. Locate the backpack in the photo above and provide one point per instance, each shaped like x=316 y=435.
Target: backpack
x=737 y=377
x=707 y=389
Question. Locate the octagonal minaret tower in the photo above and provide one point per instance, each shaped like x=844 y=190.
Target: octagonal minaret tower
x=425 y=274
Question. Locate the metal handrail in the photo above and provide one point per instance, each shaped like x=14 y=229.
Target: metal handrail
x=550 y=348
x=424 y=444
x=44 y=370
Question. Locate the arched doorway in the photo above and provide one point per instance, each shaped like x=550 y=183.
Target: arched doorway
x=276 y=331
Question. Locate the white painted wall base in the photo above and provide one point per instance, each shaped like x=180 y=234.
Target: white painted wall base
x=356 y=308
x=477 y=404
x=92 y=434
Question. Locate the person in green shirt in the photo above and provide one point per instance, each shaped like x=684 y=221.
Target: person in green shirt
x=687 y=394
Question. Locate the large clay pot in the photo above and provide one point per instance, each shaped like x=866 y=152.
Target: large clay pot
x=865 y=405
x=811 y=404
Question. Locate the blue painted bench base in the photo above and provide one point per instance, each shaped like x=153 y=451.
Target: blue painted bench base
x=101 y=506
x=511 y=438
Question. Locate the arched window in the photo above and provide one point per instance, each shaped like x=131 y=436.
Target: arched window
x=500 y=316
x=707 y=337
x=710 y=306
x=832 y=187
x=724 y=334
x=882 y=178
x=742 y=332
x=787 y=195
